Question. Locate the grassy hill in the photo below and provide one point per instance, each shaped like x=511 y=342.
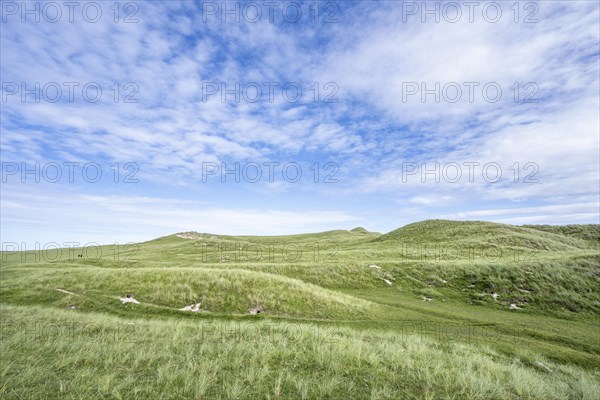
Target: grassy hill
x=436 y=309
x=488 y=234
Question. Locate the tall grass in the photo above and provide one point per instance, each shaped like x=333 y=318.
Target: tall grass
x=105 y=357
x=221 y=290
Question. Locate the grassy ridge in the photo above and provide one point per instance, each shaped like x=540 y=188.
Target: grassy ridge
x=482 y=234
x=230 y=291
x=589 y=233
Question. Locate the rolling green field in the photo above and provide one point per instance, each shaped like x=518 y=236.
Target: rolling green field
x=433 y=310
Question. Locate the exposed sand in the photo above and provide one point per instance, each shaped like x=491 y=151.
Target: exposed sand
x=542 y=366
x=256 y=310
x=192 y=307
x=125 y=300
x=65 y=291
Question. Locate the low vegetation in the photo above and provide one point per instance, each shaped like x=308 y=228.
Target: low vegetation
x=437 y=309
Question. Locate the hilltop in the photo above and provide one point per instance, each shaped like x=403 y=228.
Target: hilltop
x=494 y=234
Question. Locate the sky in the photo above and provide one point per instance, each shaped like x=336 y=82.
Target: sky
x=128 y=121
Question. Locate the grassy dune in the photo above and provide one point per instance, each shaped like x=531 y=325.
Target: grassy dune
x=230 y=291
x=421 y=312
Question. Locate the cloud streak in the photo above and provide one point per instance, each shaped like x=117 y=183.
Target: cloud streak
x=367 y=62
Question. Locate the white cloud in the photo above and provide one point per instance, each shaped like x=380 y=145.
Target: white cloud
x=101 y=218
x=553 y=214
x=369 y=133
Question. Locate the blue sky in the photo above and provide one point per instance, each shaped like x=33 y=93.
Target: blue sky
x=373 y=127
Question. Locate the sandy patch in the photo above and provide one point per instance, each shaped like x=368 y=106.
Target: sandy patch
x=542 y=366
x=189 y=235
x=65 y=291
x=128 y=299
x=256 y=310
x=192 y=307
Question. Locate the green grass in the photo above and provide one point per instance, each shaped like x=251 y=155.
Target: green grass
x=77 y=355
x=224 y=291
x=332 y=327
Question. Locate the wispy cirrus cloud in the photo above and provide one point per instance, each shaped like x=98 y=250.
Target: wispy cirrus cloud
x=371 y=57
